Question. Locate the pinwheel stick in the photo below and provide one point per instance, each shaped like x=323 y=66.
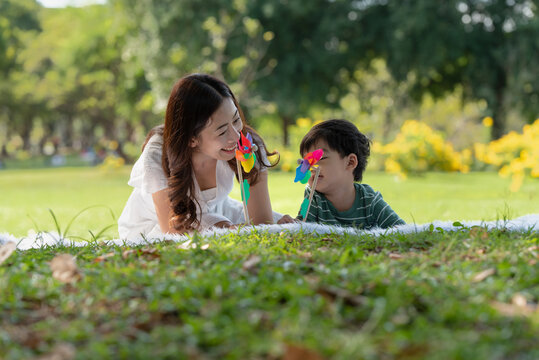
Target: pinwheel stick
x=243 y=196
x=316 y=174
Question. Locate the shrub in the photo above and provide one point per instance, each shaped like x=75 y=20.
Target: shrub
x=515 y=155
x=418 y=149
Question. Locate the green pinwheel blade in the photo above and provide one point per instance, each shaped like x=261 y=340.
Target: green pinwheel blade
x=306 y=177
x=303 y=209
x=246 y=191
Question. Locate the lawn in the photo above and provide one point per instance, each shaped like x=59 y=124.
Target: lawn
x=28 y=194
x=469 y=294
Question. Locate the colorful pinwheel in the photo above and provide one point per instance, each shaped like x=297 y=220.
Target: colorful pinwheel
x=303 y=173
x=245 y=152
x=245 y=155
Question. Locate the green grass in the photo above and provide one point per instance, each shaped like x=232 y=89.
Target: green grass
x=340 y=297
x=30 y=193
x=260 y=296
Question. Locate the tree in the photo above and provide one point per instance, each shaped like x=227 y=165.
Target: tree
x=18 y=19
x=485 y=45
x=288 y=53
x=76 y=70
x=312 y=55
x=172 y=38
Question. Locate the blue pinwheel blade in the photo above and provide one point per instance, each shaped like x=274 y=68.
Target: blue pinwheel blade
x=299 y=174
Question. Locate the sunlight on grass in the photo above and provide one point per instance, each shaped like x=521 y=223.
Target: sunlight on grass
x=66 y=191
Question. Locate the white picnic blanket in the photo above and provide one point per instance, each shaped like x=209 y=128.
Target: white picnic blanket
x=523 y=223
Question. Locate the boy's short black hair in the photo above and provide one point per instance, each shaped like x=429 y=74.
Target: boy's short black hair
x=343 y=137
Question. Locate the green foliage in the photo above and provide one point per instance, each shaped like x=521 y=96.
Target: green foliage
x=74 y=77
x=17 y=18
x=466 y=294
x=437 y=45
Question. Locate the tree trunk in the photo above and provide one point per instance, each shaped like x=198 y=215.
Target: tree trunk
x=388 y=124
x=25 y=133
x=498 y=108
x=286 y=121
x=68 y=132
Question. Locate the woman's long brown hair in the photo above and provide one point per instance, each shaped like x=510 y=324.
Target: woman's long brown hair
x=193 y=99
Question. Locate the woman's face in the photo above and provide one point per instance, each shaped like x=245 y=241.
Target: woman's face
x=218 y=138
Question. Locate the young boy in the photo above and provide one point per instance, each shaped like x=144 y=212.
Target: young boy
x=338 y=198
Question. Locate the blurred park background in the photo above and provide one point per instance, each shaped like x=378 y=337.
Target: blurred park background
x=448 y=90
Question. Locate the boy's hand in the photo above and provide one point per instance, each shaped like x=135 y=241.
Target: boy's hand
x=287 y=219
x=225 y=225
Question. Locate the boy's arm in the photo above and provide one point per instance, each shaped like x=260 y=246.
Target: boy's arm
x=383 y=215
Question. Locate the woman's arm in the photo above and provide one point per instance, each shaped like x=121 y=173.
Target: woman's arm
x=161 y=203
x=259 y=204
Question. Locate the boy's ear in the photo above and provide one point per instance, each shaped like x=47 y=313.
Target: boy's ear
x=351 y=162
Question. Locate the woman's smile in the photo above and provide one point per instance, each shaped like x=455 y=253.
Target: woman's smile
x=229 y=150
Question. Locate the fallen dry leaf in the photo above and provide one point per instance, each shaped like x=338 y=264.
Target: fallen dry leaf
x=146 y=252
x=64 y=268
x=189 y=244
x=251 y=262
x=103 y=257
x=23 y=335
x=295 y=352
x=62 y=351
x=332 y=293
x=305 y=255
x=514 y=310
x=6 y=250
x=519 y=300
x=483 y=275
x=395 y=256
x=477 y=231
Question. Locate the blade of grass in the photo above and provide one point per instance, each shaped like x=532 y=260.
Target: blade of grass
x=81 y=212
x=100 y=233
x=56 y=223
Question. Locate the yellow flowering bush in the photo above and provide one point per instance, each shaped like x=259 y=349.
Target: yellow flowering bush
x=514 y=154
x=418 y=149
x=112 y=162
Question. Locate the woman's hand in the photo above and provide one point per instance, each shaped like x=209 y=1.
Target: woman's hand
x=287 y=219
x=259 y=204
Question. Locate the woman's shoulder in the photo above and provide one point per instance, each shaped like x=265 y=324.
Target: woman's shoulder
x=155 y=141
x=153 y=151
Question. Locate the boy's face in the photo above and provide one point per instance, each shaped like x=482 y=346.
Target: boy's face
x=335 y=171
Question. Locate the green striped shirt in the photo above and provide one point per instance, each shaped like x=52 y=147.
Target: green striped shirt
x=369 y=210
